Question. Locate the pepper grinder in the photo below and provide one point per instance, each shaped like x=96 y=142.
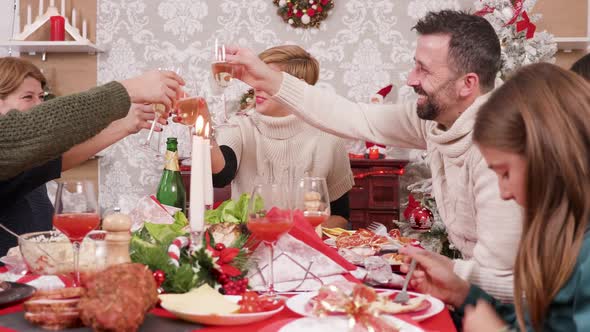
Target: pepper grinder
x=118 y=228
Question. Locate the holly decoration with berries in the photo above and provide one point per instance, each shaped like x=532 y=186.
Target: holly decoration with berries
x=304 y=13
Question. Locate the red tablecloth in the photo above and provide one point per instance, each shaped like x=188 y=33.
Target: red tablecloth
x=441 y=322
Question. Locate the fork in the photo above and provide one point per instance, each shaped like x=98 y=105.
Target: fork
x=403 y=297
x=380 y=229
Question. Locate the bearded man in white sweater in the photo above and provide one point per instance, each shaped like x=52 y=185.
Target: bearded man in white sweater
x=456 y=61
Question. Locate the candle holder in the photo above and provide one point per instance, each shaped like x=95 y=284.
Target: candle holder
x=196 y=238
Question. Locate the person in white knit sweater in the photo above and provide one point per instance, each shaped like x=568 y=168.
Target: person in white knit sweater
x=267 y=144
x=456 y=61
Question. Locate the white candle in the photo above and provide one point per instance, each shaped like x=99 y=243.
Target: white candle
x=197 y=192
x=29 y=14
x=84 y=28
x=74 y=17
x=63 y=8
x=207 y=169
x=40 y=8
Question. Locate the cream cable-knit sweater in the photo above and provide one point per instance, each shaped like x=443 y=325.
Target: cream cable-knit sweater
x=480 y=224
x=266 y=145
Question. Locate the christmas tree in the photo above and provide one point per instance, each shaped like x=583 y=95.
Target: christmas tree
x=514 y=24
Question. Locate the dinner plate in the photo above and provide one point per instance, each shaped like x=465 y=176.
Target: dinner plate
x=12 y=292
x=223 y=320
x=299 y=305
x=339 y=323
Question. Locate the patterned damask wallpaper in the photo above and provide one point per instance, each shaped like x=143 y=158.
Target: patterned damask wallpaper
x=362 y=46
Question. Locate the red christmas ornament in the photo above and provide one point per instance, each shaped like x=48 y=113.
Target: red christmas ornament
x=159 y=277
x=325 y=2
x=310 y=12
x=421 y=218
x=299 y=13
x=319 y=10
x=219 y=246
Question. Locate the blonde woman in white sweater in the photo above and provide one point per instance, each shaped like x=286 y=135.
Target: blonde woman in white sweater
x=270 y=142
x=456 y=61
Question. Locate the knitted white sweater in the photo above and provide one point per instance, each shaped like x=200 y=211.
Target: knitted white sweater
x=265 y=146
x=480 y=224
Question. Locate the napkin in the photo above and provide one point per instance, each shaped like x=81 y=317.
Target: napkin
x=149 y=209
x=302 y=261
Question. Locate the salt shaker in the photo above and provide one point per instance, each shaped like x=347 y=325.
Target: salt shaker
x=118 y=228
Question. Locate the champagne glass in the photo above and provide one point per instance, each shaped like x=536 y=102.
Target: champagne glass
x=159 y=110
x=223 y=74
x=269 y=217
x=76 y=214
x=312 y=198
x=187 y=111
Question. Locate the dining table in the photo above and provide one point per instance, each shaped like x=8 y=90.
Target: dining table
x=158 y=319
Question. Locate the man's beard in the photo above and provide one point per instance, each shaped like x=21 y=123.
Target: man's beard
x=431 y=109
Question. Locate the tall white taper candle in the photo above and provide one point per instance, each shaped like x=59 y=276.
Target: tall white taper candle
x=40 y=8
x=197 y=192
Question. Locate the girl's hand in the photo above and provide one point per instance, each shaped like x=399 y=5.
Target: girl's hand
x=434 y=275
x=138 y=118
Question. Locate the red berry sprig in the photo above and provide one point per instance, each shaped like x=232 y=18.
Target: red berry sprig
x=231 y=286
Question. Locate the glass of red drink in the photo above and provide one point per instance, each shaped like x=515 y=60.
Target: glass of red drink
x=312 y=198
x=76 y=214
x=269 y=217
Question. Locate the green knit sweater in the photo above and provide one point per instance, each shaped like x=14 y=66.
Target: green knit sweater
x=28 y=139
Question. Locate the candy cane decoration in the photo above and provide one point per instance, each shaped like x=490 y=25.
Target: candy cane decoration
x=179 y=243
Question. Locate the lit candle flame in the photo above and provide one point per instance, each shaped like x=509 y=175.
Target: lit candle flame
x=199 y=125
x=207 y=130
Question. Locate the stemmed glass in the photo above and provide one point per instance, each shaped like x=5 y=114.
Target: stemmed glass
x=187 y=111
x=269 y=217
x=223 y=74
x=312 y=198
x=76 y=214
x=159 y=110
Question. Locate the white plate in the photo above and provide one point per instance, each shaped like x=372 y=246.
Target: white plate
x=337 y=324
x=224 y=320
x=298 y=303
x=330 y=242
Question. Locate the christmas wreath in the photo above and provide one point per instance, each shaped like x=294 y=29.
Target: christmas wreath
x=178 y=267
x=304 y=13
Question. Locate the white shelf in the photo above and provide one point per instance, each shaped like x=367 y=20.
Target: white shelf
x=33 y=47
x=569 y=44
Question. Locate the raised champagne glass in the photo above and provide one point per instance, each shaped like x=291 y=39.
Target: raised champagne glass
x=223 y=74
x=76 y=214
x=270 y=217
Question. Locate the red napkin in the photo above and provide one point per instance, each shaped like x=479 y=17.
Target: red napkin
x=305 y=233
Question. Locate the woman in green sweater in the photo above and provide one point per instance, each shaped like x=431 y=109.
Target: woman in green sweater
x=535 y=134
x=46 y=131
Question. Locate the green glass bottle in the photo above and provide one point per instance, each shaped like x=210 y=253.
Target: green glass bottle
x=171 y=189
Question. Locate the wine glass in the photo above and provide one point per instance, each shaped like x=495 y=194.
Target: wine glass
x=187 y=111
x=76 y=214
x=159 y=110
x=312 y=198
x=223 y=74
x=269 y=217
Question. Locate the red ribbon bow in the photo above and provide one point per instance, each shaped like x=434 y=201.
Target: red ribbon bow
x=526 y=24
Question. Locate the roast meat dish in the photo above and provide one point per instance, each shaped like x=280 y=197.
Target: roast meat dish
x=118 y=298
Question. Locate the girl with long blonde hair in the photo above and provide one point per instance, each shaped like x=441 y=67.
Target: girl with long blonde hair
x=534 y=132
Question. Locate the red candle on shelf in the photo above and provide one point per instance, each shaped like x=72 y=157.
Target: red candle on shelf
x=373 y=153
x=58 y=29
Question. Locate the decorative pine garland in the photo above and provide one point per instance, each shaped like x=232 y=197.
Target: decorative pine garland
x=304 y=13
